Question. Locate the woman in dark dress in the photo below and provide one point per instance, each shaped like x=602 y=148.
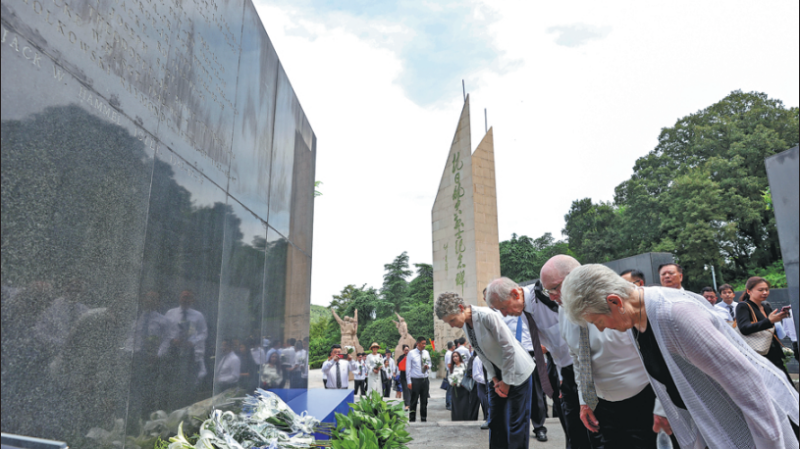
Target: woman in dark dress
x=460 y=409
x=754 y=298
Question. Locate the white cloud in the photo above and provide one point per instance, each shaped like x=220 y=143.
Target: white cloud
x=578 y=34
x=569 y=122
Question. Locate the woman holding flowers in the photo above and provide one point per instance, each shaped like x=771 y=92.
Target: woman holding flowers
x=375 y=366
x=460 y=406
x=271 y=372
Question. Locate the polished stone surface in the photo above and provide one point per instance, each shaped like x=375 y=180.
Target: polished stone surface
x=157 y=204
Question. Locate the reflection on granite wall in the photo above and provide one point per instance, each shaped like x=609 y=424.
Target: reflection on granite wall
x=157 y=212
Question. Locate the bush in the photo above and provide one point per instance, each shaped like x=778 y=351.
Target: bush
x=372 y=423
x=774 y=274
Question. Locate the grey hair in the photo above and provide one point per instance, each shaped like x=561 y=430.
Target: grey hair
x=562 y=264
x=447 y=304
x=499 y=291
x=586 y=288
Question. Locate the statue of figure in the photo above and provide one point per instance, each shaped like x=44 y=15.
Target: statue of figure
x=349 y=326
x=405 y=337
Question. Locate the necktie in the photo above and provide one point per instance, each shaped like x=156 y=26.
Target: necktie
x=519 y=329
x=338 y=376
x=538 y=356
x=730 y=309
x=587 y=379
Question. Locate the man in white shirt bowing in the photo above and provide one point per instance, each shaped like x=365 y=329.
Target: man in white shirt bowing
x=337 y=370
x=417 y=367
x=507 y=297
x=617 y=401
x=507 y=364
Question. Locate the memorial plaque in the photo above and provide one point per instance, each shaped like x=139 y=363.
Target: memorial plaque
x=157 y=203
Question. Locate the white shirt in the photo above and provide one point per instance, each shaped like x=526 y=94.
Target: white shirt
x=414 y=364
x=259 y=356
x=229 y=368
x=448 y=357
x=788 y=327
x=157 y=327
x=511 y=322
x=194 y=329
x=464 y=354
x=496 y=345
x=729 y=314
x=301 y=360
x=55 y=323
x=477 y=371
x=345 y=367
x=549 y=331
x=288 y=357
x=616 y=367
x=360 y=373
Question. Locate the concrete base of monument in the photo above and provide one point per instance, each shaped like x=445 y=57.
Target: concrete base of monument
x=320 y=403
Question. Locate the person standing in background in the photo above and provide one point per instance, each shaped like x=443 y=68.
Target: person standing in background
x=635 y=277
x=402 y=364
x=337 y=370
x=727 y=305
x=447 y=358
x=417 y=367
x=360 y=375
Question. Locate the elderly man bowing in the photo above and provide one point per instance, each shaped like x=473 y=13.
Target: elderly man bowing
x=507 y=364
x=617 y=402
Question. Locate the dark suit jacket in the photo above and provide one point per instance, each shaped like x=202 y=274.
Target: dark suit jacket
x=743 y=317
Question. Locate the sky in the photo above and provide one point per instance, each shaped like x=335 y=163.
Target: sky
x=575 y=91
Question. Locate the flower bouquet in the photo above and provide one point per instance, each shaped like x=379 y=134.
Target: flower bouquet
x=350 y=349
x=788 y=354
x=426 y=363
x=377 y=366
x=265 y=421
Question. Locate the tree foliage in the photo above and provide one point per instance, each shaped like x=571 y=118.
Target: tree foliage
x=701 y=194
x=376 y=309
x=521 y=257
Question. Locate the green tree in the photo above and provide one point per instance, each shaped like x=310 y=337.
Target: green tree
x=698 y=194
x=395 y=286
x=521 y=257
x=420 y=289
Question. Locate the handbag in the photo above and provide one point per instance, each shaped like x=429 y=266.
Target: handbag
x=760 y=341
x=468 y=383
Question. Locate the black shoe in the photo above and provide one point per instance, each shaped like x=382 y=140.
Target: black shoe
x=541 y=435
x=424 y=420
x=485 y=425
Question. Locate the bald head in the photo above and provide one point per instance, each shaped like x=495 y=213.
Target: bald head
x=554 y=271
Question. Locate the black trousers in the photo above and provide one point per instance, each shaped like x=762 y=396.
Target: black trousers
x=419 y=393
x=627 y=423
x=552 y=374
x=483 y=397
x=538 y=405
x=577 y=434
x=360 y=384
x=406 y=391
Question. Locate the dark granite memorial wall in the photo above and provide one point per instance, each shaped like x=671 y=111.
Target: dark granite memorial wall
x=157 y=213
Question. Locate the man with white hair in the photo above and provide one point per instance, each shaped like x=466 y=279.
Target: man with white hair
x=505 y=296
x=613 y=389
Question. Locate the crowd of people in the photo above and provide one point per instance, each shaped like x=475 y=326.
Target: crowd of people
x=623 y=363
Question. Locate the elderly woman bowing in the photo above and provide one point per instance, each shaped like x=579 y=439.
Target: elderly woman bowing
x=507 y=364
x=715 y=389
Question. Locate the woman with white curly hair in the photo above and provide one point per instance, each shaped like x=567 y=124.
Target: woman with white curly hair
x=717 y=392
x=507 y=364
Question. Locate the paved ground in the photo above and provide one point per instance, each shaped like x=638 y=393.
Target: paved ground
x=440 y=432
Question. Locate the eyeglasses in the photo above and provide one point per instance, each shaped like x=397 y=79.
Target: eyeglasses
x=549 y=291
